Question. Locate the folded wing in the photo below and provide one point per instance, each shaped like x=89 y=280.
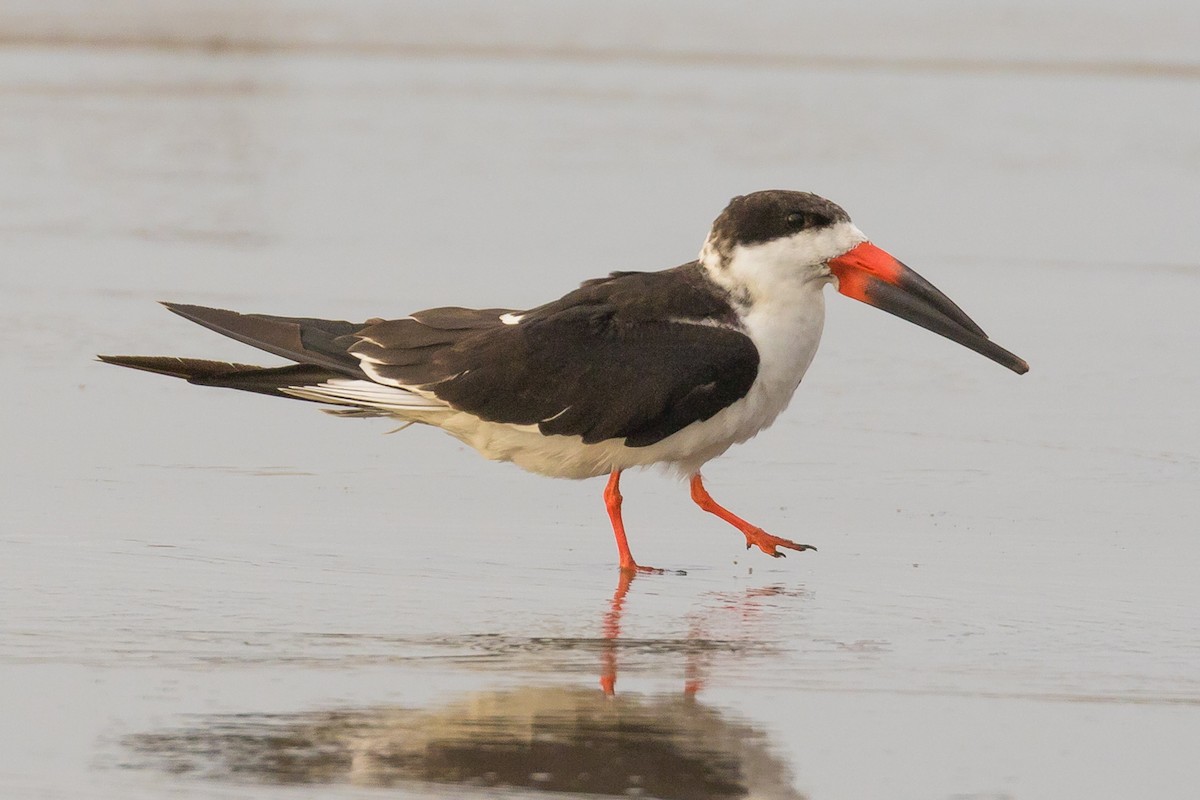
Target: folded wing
x=637 y=356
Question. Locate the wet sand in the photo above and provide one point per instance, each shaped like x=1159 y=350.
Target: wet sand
x=209 y=594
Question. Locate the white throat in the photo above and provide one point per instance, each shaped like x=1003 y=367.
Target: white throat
x=777 y=287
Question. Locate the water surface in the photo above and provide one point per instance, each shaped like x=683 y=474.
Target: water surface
x=210 y=594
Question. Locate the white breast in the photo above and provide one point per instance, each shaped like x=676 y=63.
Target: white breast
x=786 y=331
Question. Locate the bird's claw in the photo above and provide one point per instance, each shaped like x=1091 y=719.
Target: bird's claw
x=757 y=537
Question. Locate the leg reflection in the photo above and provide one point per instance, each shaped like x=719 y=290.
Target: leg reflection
x=722 y=623
x=612 y=630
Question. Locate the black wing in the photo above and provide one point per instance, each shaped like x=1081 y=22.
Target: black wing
x=318 y=342
x=637 y=356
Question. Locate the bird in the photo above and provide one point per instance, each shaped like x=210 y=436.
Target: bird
x=669 y=367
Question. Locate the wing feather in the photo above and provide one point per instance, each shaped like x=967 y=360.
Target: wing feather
x=636 y=356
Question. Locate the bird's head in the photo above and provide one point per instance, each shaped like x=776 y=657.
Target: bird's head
x=773 y=242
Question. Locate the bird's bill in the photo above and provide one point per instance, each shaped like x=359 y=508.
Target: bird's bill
x=871 y=275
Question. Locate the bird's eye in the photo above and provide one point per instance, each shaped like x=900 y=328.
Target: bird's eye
x=797 y=220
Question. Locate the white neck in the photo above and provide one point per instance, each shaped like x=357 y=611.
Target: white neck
x=777 y=287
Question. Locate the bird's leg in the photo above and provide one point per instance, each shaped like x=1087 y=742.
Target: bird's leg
x=755 y=536
x=612 y=499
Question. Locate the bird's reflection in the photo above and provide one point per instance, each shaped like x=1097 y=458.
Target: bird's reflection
x=553 y=738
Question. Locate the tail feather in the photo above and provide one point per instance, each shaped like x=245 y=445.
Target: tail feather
x=187 y=368
x=327 y=372
x=309 y=341
x=225 y=374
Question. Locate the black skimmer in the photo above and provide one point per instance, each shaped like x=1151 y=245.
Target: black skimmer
x=639 y=368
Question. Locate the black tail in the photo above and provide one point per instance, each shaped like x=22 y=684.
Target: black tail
x=246 y=377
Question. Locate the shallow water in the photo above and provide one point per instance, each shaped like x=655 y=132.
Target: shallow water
x=210 y=594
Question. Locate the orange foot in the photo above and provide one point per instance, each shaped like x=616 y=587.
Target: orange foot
x=757 y=537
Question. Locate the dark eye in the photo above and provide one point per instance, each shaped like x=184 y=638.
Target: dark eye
x=797 y=220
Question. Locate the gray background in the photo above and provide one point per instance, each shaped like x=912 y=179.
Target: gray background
x=1004 y=601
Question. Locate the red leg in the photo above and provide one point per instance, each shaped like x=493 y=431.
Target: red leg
x=612 y=499
x=755 y=536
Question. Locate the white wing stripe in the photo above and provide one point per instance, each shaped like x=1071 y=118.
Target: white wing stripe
x=365 y=394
